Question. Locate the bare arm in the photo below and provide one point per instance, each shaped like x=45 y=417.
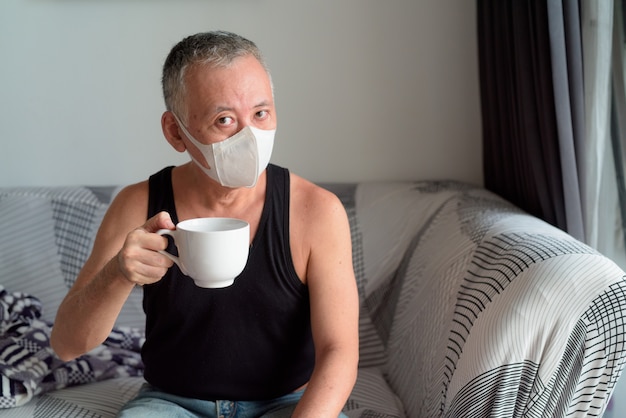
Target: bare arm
x=334 y=310
x=123 y=255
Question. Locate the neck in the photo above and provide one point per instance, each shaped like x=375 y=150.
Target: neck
x=206 y=197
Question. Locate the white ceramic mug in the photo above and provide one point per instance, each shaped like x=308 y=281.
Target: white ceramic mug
x=212 y=251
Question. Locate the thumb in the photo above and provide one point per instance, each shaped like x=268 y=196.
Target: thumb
x=161 y=220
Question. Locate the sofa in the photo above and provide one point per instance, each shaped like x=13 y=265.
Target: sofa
x=469 y=307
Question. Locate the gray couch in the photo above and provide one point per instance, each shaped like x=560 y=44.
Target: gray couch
x=469 y=307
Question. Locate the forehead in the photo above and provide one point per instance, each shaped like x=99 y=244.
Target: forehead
x=242 y=76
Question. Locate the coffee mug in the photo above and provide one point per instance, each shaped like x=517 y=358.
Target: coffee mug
x=212 y=251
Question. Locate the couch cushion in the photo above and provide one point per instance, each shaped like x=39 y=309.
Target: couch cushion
x=48 y=235
x=476 y=277
x=372 y=396
x=95 y=400
x=29 y=257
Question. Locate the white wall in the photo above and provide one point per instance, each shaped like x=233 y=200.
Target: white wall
x=366 y=89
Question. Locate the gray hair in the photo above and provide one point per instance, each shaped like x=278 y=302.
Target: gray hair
x=218 y=48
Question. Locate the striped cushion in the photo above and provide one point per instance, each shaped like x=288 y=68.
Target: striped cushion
x=372 y=396
x=95 y=400
x=514 y=316
x=48 y=235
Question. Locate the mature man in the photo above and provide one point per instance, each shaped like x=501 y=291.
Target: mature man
x=283 y=339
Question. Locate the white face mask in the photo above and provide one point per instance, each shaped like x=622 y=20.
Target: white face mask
x=237 y=161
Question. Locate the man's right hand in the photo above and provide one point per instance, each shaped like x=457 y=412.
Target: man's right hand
x=139 y=259
x=122 y=256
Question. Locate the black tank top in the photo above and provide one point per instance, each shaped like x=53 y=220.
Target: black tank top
x=249 y=341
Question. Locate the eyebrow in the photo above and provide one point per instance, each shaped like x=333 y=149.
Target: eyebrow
x=220 y=109
x=264 y=103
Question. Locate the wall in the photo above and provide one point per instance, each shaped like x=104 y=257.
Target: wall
x=366 y=90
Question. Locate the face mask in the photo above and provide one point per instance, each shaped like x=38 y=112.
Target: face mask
x=237 y=161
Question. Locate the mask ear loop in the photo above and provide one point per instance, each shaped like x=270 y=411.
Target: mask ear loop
x=206 y=150
x=202 y=147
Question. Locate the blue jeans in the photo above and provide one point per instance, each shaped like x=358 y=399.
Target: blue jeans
x=151 y=402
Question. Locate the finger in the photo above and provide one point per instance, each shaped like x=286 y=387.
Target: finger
x=140 y=259
x=143 y=266
x=141 y=239
x=161 y=220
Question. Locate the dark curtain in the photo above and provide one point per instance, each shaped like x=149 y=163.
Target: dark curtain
x=532 y=106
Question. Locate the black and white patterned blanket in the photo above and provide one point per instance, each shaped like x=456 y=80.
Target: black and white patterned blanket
x=29 y=367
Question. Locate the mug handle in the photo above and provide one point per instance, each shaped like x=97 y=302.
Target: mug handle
x=171 y=233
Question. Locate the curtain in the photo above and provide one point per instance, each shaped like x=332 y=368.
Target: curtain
x=567 y=76
x=554 y=113
x=618 y=123
x=602 y=217
x=528 y=143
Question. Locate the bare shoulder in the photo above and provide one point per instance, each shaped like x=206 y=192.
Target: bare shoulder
x=313 y=202
x=317 y=215
x=319 y=230
x=127 y=211
x=129 y=208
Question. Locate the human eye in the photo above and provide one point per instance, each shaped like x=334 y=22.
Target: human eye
x=225 y=120
x=262 y=114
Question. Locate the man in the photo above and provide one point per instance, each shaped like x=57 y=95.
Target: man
x=284 y=337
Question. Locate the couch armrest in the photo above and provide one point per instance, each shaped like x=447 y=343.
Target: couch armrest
x=492 y=312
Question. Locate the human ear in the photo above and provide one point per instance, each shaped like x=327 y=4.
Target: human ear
x=172 y=132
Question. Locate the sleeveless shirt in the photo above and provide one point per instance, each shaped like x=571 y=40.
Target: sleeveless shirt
x=249 y=341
